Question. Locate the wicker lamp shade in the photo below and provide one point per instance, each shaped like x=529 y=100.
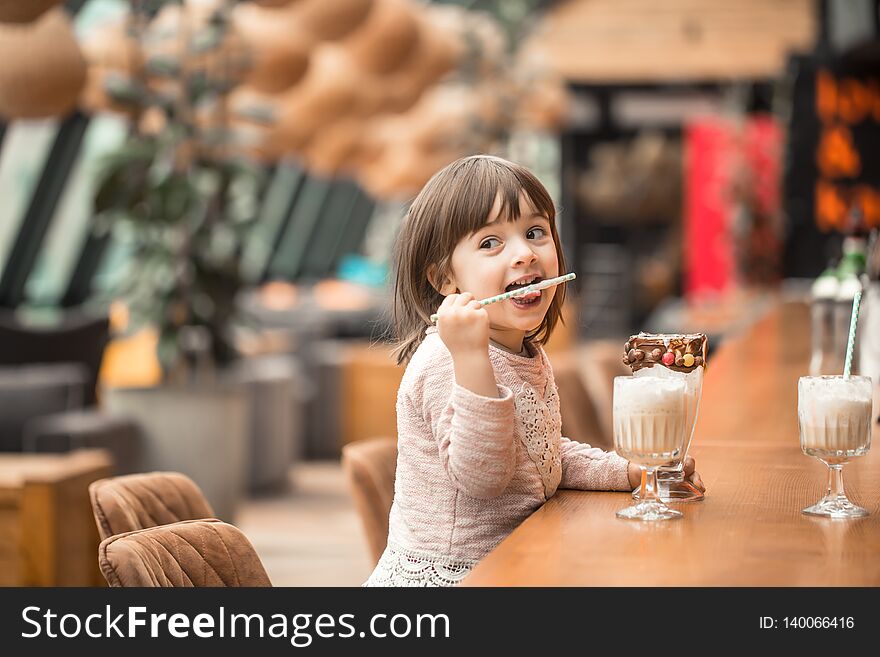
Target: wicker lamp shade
x=110 y=46
x=443 y=115
x=439 y=118
x=386 y=37
x=24 y=11
x=275 y=69
x=326 y=93
x=336 y=147
x=544 y=105
x=400 y=152
x=277 y=45
x=274 y=3
x=330 y=19
x=438 y=50
x=441 y=49
x=487 y=44
x=400 y=94
x=428 y=163
x=402 y=172
x=43 y=69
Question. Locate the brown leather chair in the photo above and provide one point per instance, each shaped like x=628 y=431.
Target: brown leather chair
x=580 y=418
x=191 y=553
x=370 y=466
x=600 y=361
x=138 y=501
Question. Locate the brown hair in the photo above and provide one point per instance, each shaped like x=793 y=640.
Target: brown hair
x=454 y=204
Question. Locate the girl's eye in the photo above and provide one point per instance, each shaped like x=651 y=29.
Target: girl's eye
x=536 y=233
x=490 y=243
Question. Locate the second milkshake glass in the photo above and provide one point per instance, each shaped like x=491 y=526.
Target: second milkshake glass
x=834 y=421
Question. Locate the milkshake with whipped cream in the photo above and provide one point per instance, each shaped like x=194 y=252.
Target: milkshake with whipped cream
x=650 y=419
x=834 y=416
x=681 y=357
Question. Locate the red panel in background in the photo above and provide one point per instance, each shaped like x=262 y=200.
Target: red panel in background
x=708 y=248
x=732 y=202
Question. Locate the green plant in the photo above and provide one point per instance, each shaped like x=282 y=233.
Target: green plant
x=179 y=196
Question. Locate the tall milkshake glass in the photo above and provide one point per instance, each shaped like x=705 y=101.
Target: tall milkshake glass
x=678 y=357
x=649 y=429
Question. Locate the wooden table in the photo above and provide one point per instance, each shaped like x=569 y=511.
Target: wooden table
x=749 y=530
x=48 y=535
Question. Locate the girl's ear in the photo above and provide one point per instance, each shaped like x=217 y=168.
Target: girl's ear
x=443 y=284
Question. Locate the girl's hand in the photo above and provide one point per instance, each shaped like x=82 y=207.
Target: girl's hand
x=634 y=472
x=692 y=475
x=463 y=325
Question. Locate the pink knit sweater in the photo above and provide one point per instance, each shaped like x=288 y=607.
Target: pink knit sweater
x=471 y=468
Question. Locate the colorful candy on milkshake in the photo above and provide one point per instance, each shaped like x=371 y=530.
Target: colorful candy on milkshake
x=678 y=352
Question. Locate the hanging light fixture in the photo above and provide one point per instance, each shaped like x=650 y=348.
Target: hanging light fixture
x=43 y=69
x=24 y=11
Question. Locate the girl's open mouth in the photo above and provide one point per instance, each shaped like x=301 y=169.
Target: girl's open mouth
x=529 y=299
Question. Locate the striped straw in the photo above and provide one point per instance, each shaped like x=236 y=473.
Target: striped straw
x=850 y=343
x=550 y=282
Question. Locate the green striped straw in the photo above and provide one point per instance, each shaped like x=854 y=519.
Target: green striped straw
x=550 y=282
x=851 y=342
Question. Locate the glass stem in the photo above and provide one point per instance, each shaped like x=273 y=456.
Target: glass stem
x=835 y=482
x=649 y=484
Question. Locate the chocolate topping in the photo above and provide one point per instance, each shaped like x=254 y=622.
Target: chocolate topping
x=648 y=349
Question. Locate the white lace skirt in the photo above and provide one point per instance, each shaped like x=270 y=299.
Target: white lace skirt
x=399 y=567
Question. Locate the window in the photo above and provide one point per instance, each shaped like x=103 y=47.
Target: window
x=26 y=146
x=72 y=221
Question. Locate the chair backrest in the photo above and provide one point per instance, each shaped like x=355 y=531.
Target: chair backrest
x=191 y=553
x=580 y=417
x=139 y=501
x=31 y=391
x=370 y=466
x=600 y=362
x=77 y=338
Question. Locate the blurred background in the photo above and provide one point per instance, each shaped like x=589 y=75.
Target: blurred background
x=200 y=198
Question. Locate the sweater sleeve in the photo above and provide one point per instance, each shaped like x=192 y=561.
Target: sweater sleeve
x=590 y=468
x=475 y=438
x=473 y=435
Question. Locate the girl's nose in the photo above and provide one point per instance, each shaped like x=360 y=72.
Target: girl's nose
x=523 y=255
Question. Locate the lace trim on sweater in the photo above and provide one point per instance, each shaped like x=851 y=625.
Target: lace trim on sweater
x=399 y=567
x=542 y=426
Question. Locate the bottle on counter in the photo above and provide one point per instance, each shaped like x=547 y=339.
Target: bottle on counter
x=823 y=300
x=849 y=276
x=869 y=315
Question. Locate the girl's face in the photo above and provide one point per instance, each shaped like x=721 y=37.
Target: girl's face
x=501 y=256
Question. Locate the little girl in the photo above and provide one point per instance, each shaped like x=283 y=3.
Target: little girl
x=479 y=444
